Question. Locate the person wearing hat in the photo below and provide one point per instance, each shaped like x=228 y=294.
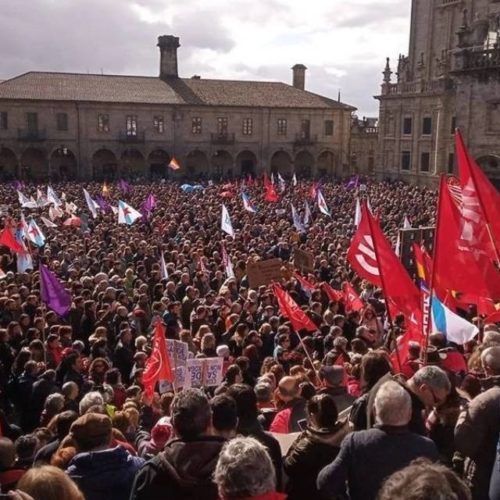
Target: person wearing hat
x=333 y=380
x=100 y=471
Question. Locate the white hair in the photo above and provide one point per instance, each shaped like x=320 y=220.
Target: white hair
x=490 y=359
x=90 y=399
x=434 y=377
x=491 y=337
x=392 y=405
x=244 y=469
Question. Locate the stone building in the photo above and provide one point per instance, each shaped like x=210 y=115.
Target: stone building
x=63 y=125
x=450 y=78
x=364 y=145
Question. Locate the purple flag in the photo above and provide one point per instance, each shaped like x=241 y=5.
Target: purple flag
x=103 y=204
x=125 y=186
x=353 y=182
x=52 y=293
x=17 y=185
x=150 y=203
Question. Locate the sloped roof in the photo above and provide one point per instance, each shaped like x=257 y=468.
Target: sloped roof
x=152 y=90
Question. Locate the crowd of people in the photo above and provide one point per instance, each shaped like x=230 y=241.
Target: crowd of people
x=76 y=423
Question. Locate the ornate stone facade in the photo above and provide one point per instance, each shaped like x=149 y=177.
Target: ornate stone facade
x=62 y=125
x=450 y=78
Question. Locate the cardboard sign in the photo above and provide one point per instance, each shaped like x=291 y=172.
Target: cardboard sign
x=263 y=272
x=203 y=372
x=303 y=261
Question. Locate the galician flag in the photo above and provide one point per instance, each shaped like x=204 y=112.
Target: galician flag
x=307 y=214
x=357 y=213
x=127 y=214
x=323 y=208
x=91 y=204
x=25 y=202
x=282 y=182
x=247 y=204
x=34 y=234
x=454 y=327
x=228 y=265
x=226 y=224
x=163 y=267
x=296 y=220
x=52 y=197
x=47 y=222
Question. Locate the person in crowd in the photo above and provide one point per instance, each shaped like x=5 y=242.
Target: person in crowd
x=287 y=419
x=185 y=468
x=333 y=380
x=314 y=448
x=244 y=470
x=478 y=428
x=367 y=458
x=10 y=473
x=100 y=471
x=423 y=480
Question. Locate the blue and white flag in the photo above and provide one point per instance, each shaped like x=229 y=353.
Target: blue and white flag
x=52 y=197
x=127 y=214
x=282 y=182
x=91 y=204
x=247 y=204
x=296 y=220
x=323 y=208
x=226 y=224
x=454 y=327
x=34 y=234
x=26 y=202
x=307 y=214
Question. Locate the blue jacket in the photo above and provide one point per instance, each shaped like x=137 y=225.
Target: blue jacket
x=105 y=475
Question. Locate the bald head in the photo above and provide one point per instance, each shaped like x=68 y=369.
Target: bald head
x=288 y=388
x=490 y=358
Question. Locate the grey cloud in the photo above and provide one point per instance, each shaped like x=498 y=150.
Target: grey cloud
x=369 y=15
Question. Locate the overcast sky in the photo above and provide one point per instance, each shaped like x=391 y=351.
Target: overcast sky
x=343 y=42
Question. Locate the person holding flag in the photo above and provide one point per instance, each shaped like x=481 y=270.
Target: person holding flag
x=226 y=224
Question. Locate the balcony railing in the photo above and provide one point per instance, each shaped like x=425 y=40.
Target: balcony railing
x=31 y=135
x=130 y=138
x=222 y=139
x=478 y=60
x=305 y=140
x=418 y=87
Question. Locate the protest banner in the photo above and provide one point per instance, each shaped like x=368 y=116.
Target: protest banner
x=303 y=260
x=263 y=272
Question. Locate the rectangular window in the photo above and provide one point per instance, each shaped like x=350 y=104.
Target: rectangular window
x=282 y=124
x=103 y=123
x=62 y=121
x=451 y=163
x=406 y=160
x=453 y=125
x=4 y=120
x=305 y=129
x=328 y=127
x=427 y=126
x=425 y=162
x=407 y=125
x=159 y=124
x=32 y=121
x=248 y=126
x=222 y=125
x=196 y=126
x=131 y=125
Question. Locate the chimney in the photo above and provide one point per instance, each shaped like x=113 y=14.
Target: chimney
x=168 y=56
x=299 y=76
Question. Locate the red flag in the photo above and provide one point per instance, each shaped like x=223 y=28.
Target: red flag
x=493 y=318
x=158 y=365
x=331 y=293
x=7 y=239
x=480 y=202
x=289 y=308
x=351 y=298
x=271 y=194
x=249 y=180
x=460 y=259
x=266 y=181
x=314 y=190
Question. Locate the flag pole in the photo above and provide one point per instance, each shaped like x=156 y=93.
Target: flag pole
x=388 y=309
x=433 y=271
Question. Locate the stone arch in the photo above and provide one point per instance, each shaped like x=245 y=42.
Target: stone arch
x=222 y=164
x=304 y=164
x=104 y=165
x=281 y=162
x=246 y=163
x=196 y=164
x=158 y=161
x=327 y=163
x=8 y=164
x=132 y=163
x=34 y=165
x=63 y=164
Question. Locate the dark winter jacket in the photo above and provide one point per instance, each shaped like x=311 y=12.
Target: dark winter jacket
x=367 y=458
x=310 y=452
x=182 y=471
x=105 y=475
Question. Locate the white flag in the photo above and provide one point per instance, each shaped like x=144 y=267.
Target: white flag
x=226 y=225
x=52 y=197
x=25 y=202
x=357 y=213
x=294 y=179
x=406 y=223
x=163 y=268
x=296 y=220
x=307 y=214
x=91 y=204
x=47 y=222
